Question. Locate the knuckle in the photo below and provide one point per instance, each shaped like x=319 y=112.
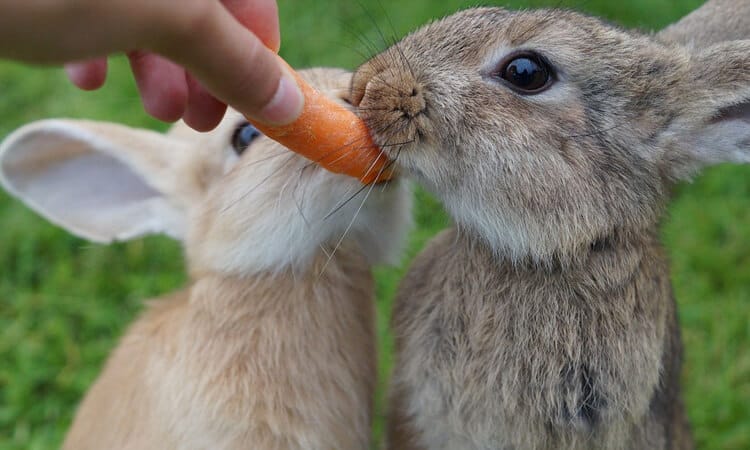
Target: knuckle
x=192 y=20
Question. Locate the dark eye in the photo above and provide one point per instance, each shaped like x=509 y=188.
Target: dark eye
x=528 y=73
x=243 y=136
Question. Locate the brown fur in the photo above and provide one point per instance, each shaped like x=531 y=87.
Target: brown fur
x=584 y=357
x=716 y=21
x=545 y=319
x=249 y=362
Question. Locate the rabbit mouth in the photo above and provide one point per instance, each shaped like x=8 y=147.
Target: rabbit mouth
x=397 y=135
x=404 y=161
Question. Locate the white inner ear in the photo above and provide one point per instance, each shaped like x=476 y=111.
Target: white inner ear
x=725 y=138
x=71 y=177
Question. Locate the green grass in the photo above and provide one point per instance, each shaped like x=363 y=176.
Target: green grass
x=65 y=302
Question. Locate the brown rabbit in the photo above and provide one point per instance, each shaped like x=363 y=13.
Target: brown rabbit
x=271 y=346
x=545 y=319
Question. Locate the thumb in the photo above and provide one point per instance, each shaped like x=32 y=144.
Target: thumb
x=234 y=65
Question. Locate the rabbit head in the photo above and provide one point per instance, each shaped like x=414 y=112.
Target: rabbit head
x=546 y=132
x=241 y=202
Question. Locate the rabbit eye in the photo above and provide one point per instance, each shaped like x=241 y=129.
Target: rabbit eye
x=243 y=136
x=527 y=73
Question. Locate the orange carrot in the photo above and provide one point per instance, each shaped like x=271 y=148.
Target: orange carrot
x=331 y=136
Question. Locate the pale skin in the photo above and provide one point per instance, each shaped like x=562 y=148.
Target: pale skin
x=190 y=58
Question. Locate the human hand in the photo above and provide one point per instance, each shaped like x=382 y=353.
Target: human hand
x=185 y=55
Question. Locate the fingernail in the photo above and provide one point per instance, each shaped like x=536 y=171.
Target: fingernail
x=285 y=105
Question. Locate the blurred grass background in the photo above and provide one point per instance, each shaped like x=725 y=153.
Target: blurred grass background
x=65 y=302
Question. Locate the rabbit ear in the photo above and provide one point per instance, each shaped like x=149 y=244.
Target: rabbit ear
x=716 y=21
x=102 y=182
x=714 y=126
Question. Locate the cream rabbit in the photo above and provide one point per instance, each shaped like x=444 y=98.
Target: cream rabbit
x=271 y=345
x=545 y=319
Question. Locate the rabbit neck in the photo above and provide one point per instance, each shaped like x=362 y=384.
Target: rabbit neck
x=570 y=356
x=248 y=350
x=344 y=274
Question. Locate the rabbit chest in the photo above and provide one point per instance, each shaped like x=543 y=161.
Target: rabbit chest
x=503 y=356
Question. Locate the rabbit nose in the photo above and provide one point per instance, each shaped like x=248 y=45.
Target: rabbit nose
x=390 y=91
x=394 y=105
x=413 y=104
x=397 y=95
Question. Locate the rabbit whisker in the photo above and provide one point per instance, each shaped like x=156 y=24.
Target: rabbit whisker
x=313 y=163
x=375 y=24
x=374 y=109
x=345 y=202
x=351 y=223
x=297 y=204
x=244 y=195
x=369 y=169
x=392 y=163
x=360 y=189
x=597 y=132
x=369 y=46
x=361 y=53
x=264 y=159
x=343 y=154
x=393 y=37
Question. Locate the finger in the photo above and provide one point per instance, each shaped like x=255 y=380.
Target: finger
x=234 y=65
x=162 y=85
x=88 y=75
x=260 y=16
x=204 y=111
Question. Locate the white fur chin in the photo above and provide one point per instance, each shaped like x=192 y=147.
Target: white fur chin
x=513 y=236
x=284 y=236
x=505 y=236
